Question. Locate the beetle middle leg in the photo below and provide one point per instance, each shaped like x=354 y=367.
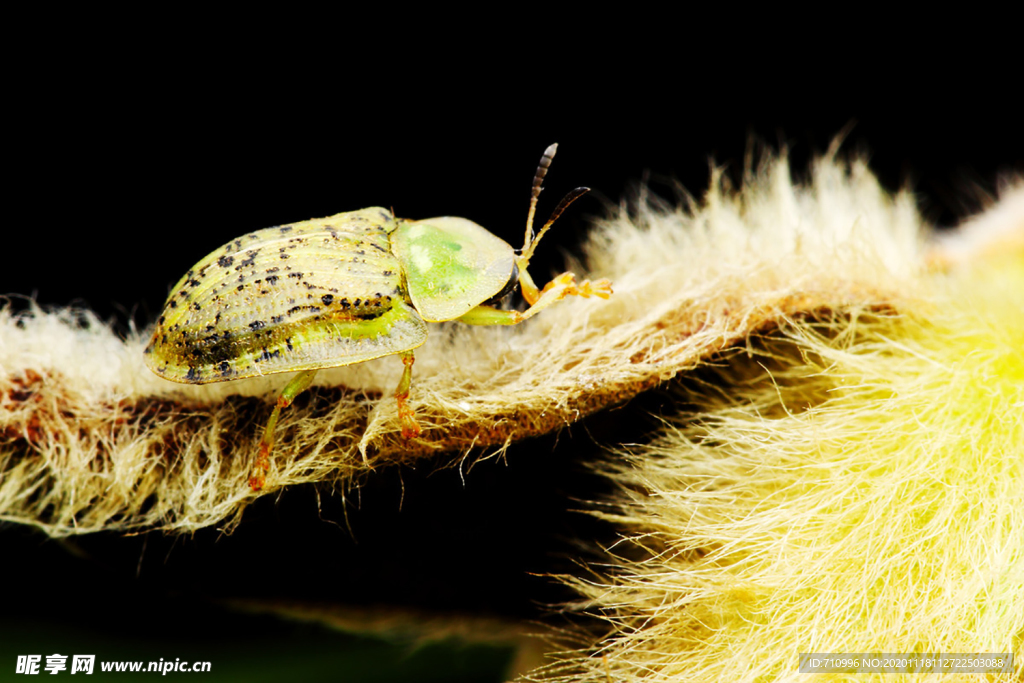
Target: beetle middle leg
x=406 y=414
x=295 y=387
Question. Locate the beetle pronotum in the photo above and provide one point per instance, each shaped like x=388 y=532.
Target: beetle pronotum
x=345 y=289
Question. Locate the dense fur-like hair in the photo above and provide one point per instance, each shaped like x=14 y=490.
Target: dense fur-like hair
x=851 y=482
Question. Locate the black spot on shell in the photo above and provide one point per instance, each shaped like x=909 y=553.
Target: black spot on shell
x=268 y=355
x=284 y=256
x=239 y=288
x=250 y=258
x=285 y=228
x=257 y=325
x=277 y=319
x=296 y=275
x=195 y=306
x=160 y=320
x=295 y=309
x=193 y=374
x=327 y=299
x=272 y=280
x=224 y=367
x=172 y=304
x=225 y=261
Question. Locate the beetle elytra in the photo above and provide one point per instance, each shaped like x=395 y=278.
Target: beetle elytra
x=345 y=289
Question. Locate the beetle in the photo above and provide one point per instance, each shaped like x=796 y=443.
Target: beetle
x=342 y=290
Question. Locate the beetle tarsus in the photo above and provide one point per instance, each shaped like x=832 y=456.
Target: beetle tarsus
x=565 y=285
x=260 y=469
x=407 y=416
x=602 y=289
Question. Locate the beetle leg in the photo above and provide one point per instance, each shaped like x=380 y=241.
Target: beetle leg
x=562 y=286
x=529 y=290
x=405 y=413
x=298 y=384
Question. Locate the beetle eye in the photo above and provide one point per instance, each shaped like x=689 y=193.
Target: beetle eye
x=507 y=289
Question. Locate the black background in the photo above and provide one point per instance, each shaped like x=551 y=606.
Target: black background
x=129 y=168
x=130 y=156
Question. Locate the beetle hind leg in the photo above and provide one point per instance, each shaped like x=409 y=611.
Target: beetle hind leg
x=295 y=387
x=407 y=416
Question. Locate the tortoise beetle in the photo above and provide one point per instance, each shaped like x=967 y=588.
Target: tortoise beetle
x=342 y=290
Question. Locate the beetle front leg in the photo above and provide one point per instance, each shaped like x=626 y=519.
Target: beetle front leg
x=562 y=286
x=295 y=387
x=406 y=414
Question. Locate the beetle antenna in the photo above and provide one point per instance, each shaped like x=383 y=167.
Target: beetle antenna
x=562 y=206
x=538 y=181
